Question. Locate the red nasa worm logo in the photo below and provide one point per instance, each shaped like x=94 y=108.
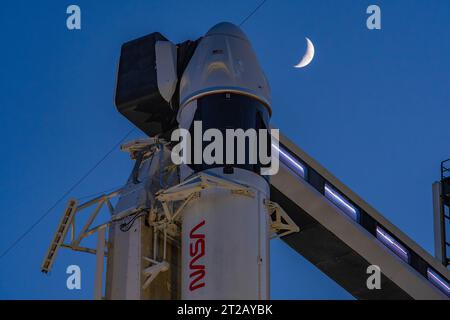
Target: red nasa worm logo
x=197 y=251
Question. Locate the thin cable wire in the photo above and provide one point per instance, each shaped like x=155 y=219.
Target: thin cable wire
x=252 y=13
x=46 y=213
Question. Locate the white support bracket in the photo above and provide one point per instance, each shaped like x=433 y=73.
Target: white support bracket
x=152 y=272
x=280 y=222
x=190 y=189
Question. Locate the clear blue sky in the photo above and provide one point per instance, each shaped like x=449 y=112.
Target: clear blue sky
x=373 y=107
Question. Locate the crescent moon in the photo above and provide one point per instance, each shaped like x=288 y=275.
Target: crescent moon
x=309 y=55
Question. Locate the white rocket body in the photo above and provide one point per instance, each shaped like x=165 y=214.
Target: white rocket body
x=225 y=244
x=225 y=235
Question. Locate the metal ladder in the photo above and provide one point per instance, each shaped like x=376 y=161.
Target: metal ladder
x=60 y=235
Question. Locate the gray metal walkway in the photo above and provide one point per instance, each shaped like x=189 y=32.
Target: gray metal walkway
x=342 y=235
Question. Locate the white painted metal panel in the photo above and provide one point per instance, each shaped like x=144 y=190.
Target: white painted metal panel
x=225 y=242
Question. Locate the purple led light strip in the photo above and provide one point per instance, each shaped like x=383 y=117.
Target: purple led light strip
x=337 y=198
x=392 y=244
x=438 y=281
x=290 y=159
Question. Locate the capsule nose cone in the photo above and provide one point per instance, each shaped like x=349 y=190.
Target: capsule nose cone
x=228 y=29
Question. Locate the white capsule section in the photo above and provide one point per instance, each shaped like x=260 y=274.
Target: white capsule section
x=224 y=61
x=225 y=241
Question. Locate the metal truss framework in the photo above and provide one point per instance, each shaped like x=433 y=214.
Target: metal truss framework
x=68 y=221
x=172 y=200
x=280 y=223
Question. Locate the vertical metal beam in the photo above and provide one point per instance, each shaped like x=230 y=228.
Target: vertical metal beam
x=438 y=222
x=99 y=264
